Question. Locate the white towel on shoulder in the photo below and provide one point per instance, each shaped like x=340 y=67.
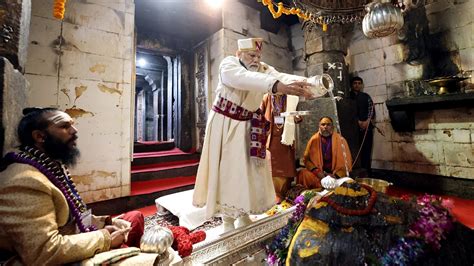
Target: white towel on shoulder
x=288 y=136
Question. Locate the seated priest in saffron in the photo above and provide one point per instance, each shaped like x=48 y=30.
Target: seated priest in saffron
x=327 y=153
x=43 y=219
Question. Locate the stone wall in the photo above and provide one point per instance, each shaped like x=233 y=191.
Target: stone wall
x=442 y=143
x=85 y=65
x=297 y=48
x=13 y=95
x=15 y=20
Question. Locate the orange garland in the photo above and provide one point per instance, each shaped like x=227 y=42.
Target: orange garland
x=283 y=10
x=58 y=8
x=292 y=11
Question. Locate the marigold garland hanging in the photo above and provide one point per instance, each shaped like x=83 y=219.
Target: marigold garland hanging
x=289 y=11
x=59 y=7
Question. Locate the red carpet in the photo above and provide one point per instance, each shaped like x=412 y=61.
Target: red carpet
x=145 y=142
x=163 y=166
x=174 y=151
x=463 y=209
x=147 y=187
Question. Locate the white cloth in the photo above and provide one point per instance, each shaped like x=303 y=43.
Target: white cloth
x=288 y=135
x=227 y=181
x=180 y=205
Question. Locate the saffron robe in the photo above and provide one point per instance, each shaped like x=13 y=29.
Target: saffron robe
x=313 y=158
x=282 y=156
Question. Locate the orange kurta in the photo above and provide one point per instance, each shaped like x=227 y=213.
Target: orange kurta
x=313 y=158
x=282 y=156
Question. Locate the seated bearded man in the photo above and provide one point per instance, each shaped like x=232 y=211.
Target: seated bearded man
x=43 y=219
x=327 y=153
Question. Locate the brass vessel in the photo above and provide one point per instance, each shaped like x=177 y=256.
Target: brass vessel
x=378 y=184
x=446 y=84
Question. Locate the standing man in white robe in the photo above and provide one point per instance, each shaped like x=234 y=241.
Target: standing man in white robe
x=233 y=178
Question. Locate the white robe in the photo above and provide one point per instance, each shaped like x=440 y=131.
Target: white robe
x=228 y=181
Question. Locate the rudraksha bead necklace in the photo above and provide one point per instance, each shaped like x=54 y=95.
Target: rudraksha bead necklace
x=59 y=175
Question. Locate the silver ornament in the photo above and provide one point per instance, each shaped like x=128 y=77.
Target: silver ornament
x=156 y=240
x=382 y=19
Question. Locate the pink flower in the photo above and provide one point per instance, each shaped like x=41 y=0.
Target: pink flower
x=447 y=203
x=272 y=259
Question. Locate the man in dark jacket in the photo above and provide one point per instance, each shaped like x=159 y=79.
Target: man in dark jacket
x=365 y=115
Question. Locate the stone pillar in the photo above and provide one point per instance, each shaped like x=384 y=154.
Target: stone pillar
x=324 y=52
x=201 y=85
x=14 y=30
x=13 y=96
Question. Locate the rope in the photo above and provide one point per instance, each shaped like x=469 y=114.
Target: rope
x=365 y=135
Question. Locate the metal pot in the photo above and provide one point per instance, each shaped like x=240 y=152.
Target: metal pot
x=382 y=19
x=321 y=84
x=156 y=240
x=378 y=184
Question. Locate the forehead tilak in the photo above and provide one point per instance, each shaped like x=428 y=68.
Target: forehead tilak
x=59 y=117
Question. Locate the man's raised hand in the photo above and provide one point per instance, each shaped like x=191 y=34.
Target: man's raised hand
x=298 y=88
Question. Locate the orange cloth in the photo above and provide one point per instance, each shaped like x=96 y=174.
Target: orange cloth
x=308 y=179
x=313 y=158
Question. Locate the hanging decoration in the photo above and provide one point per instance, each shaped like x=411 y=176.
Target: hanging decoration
x=291 y=11
x=59 y=7
x=283 y=10
x=382 y=19
x=318 y=15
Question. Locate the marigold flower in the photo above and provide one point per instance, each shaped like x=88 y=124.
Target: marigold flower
x=59 y=7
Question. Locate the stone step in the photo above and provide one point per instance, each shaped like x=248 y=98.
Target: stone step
x=149 y=158
x=153 y=146
x=164 y=170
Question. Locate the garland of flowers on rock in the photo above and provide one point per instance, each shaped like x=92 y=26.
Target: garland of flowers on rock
x=277 y=251
x=59 y=176
x=432 y=226
x=59 y=7
x=426 y=233
x=346 y=211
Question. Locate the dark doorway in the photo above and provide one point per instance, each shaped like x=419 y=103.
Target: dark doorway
x=158 y=86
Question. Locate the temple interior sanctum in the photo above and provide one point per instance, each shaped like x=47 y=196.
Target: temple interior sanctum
x=375 y=168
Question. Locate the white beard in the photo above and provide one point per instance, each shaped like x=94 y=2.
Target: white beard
x=326 y=133
x=253 y=68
